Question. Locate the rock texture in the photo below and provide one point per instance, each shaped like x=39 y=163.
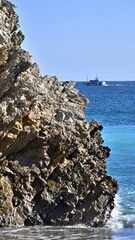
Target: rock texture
x=52 y=162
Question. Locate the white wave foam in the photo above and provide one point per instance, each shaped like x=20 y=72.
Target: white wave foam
x=116 y=216
x=118 y=219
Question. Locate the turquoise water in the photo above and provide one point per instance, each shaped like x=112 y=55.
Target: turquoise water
x=113 y=106
x=121 y=165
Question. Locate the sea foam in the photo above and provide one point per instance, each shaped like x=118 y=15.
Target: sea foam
x=118 y=218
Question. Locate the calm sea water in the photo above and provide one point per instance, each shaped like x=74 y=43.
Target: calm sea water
x=113 y=106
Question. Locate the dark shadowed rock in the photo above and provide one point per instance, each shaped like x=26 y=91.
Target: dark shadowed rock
x=52 y=162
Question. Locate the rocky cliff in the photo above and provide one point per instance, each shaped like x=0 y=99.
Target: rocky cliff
x=52 y=162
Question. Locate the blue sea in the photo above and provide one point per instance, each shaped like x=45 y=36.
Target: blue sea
x=113 y=106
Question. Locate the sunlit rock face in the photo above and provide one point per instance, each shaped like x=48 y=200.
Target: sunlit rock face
x=52 y=162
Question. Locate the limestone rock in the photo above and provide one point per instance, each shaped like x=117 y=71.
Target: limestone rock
x=52 y=162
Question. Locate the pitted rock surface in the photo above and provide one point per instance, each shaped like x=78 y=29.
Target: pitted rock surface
x=52 y=162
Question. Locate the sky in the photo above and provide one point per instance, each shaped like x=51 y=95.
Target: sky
x=73 y=39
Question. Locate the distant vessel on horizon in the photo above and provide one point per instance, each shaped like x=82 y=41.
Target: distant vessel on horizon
x=95 y=82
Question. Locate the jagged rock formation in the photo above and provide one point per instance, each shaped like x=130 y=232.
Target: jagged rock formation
x=52 y=162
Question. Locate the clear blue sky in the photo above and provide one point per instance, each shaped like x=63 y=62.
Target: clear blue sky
x=75 y=38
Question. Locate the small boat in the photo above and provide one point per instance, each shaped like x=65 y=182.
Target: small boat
x=95 y=82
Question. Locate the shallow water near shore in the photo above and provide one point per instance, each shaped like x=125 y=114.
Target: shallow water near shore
x=65 y=233
x=113 y=106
